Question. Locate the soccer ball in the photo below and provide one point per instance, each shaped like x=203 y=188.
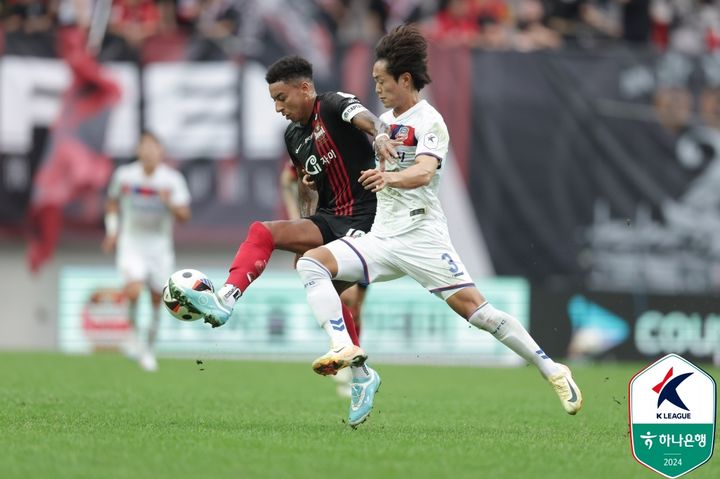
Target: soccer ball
x=185 y=279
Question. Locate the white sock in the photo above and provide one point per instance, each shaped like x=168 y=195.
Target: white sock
x=229 y=294
x=360 y=372
x=324 y=300
x=512 y=334
x=153 y=329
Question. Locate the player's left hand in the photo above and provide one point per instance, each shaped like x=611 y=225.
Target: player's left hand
x=373 y=180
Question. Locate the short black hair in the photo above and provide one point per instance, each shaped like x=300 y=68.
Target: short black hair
x=288 y=69
x=405 y=51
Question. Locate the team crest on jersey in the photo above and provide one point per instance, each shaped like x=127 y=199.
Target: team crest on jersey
x=128 y=189
x=404 y=133
x=320 y=136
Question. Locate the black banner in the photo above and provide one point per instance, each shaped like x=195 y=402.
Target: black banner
x=581 y=324
x=599 y=167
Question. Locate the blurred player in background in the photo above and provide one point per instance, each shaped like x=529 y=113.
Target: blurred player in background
x=144 y=197
x=353 y=297
x=410 y=236
x=328 y=144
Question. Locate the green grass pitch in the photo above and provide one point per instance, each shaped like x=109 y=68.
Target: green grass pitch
x=102 y=417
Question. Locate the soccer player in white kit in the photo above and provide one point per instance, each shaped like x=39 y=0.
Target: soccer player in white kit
x=144 y=197
x=410 y=234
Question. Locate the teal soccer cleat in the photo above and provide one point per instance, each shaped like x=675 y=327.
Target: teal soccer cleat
x=363 y=394
x=206 y=302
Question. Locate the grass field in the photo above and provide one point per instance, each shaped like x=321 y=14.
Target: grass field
x=102 y=417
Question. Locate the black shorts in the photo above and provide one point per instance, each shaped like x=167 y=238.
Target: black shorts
x=334 y=227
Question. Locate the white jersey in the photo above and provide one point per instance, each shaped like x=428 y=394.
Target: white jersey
x=423 y=132
x=144 y=217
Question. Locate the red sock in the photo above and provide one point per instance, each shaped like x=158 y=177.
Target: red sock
x=252 y=256
x=358 y=327
x=350 y=324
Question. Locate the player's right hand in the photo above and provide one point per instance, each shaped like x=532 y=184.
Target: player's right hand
x=308 y=181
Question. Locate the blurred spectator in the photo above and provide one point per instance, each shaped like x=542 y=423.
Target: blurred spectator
x=75 y=12
x=410 y=11
x=494 y=19
x=582 y=21
x=216 y=29
x=362 y=21
x=134 y=20
x=218 y=19
x=455 y=23
x=472 y=23
x=532 y=34
x=687 y=26
x=29 y=16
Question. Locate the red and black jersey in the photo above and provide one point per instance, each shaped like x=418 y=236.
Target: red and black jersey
x=334 y=152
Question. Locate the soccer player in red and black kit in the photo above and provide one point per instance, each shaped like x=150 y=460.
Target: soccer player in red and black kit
x=328 y=144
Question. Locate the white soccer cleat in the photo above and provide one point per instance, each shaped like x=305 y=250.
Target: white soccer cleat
x=566 y=389
x=132 y=347
x=336 y=359
x=148 y=362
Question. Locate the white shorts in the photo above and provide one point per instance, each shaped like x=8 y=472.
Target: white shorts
x=152 y=266
x=425 y=254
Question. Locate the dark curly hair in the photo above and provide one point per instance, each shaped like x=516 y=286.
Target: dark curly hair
x=288 y=69
x=405 y=50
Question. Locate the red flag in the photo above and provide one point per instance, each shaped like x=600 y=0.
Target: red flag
x=73 y=163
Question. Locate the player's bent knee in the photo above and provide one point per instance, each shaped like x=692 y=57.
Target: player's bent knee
x=322 y=256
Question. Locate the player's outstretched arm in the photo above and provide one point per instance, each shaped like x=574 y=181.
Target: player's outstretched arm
x=372 y=125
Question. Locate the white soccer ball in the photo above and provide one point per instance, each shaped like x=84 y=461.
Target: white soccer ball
x=185 y=279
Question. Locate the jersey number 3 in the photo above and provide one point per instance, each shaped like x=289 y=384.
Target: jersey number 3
x=453 y=267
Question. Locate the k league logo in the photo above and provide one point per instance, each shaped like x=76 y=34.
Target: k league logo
x=672 y=412
x=668 y=392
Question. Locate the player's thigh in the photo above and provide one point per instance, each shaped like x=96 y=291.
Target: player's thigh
x=363 y=259
x=161 y=263
x=132 y=266
x=296 y=236
x=428 y=256
x=335 y=227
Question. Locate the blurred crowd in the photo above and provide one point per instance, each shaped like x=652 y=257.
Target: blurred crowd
x=236 y=27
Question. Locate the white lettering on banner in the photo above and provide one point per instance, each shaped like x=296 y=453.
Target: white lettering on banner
x=30 y=92
x=263 y=127
x=678 y=332
x=123 y=133
x=194 y=107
